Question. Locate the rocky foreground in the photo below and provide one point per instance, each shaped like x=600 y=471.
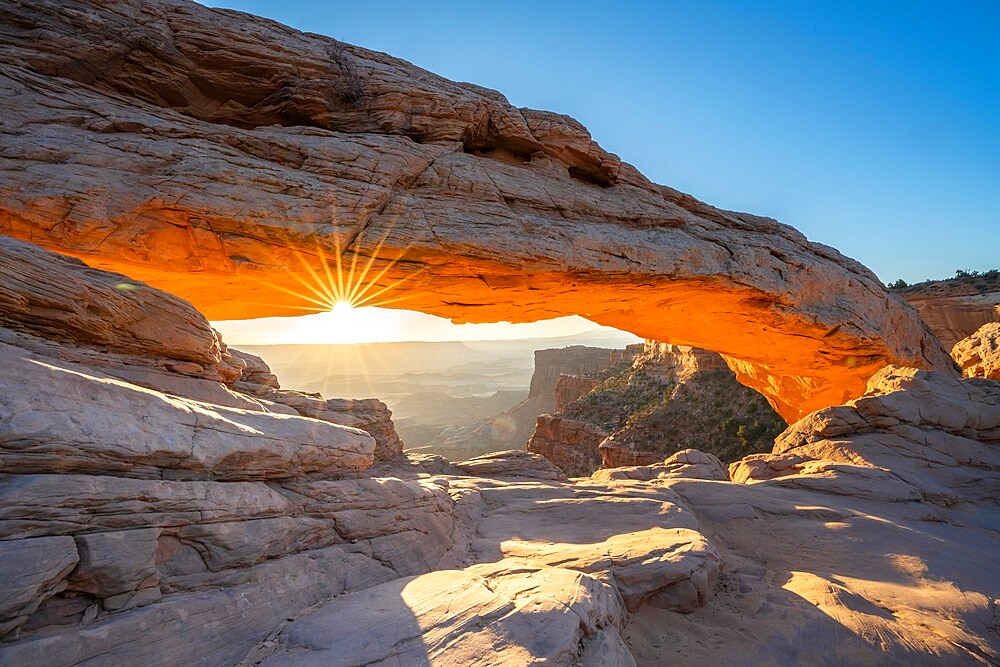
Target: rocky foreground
x=164 y=502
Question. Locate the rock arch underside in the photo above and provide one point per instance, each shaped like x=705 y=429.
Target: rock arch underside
x=226 y=158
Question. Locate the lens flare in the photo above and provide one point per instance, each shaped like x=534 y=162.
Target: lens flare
x=343 y=279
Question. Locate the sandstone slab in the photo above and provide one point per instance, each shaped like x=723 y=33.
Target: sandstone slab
x=687 y=463
x=638 y=537
x=62 y=417
x=32 y=571
x=216 y=627
x=913 y=433
x=116 y=562
x=56 y=298
x=507 y=613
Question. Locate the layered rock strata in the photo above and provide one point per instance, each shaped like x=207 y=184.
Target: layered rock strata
x=952 y=318
x=216 y=154
x=570 y=444
x=511 y=428
x=956 y=307
x=115 y=549
x=232 y=187
x=571 y=387
x=868 y=532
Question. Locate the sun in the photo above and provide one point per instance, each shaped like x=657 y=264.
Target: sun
x=342 y=309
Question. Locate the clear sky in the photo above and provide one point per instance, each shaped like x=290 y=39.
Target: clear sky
x=872 y=126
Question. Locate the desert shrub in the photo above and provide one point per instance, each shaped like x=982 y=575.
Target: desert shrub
x=352 y=89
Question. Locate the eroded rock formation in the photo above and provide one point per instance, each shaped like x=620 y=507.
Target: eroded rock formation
x=913 y=435
x=554 y=371
x=979 y=355
x=57 y=307
x=223 y=157
x=669 y=399
x=571 y=444
x=207 y=524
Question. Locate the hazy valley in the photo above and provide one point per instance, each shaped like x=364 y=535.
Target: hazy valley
x=439 y=392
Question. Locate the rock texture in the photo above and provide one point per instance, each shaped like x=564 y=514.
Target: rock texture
x=513 y=427
x=369 y=414
x=571 y=387
x=508 y=613
x=110 y=319
x=979 y=355
x=513 y=463
x=207 y=525
x=44 y=430
x=869 y=532
x=913 y=435
x=156 y=155
x=687 y=463
x=551 y=365
x=570 y=444
x=953 y=318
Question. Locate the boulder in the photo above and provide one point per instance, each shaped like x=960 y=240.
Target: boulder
x=979 y=354
x=512 y=463
x=687 y=463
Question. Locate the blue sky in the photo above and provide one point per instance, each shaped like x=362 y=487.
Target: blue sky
x=870 y=126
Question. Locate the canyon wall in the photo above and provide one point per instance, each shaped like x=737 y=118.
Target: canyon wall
x=670 y=398
x=511 y=428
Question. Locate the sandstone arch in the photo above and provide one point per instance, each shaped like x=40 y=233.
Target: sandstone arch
x=218 y=149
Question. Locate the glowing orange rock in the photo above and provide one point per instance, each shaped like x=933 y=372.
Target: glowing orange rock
x=227 y=159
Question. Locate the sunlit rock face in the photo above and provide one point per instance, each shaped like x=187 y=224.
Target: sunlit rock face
x=913 y=435
x=979 y=355
x=225 y=158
